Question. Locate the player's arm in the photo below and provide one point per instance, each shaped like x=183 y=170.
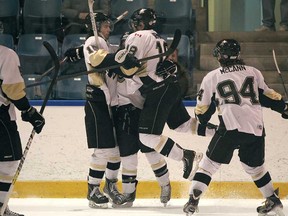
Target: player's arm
x=13 y=88
x=272 y=99
x=100 y=58
x=206 y=104
x=204 y=110
x=16 y=94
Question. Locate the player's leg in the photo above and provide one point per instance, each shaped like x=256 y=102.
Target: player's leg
x=220 y=151
x=252 y=154
x=160 y=169
x=126 y=125
x=154 y=115
x=110 y=189
x=100 y=137
x=10 y=154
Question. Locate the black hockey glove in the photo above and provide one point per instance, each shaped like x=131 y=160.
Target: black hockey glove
x=34 y=117
x=127 y=60
x=130 y=62
x=285 y=112
x=166 y=68
x=74 y=54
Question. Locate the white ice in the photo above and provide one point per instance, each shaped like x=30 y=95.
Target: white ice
x=141 y=207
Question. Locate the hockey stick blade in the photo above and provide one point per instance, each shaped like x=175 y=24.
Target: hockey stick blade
x=280 y=74
x=19 y=168
x=171 y=49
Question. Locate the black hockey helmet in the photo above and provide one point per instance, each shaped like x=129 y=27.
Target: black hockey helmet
x=227 y=50
x=99 y=19
x=145 y=15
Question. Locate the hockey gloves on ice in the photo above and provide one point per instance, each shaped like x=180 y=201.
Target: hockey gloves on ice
x=166 y=68
x=285 y=112
x=34 y=117
x=74 y=54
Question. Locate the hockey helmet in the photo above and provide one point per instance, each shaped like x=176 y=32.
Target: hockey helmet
x=145 y=15
x=227 y=50
x=99 y=19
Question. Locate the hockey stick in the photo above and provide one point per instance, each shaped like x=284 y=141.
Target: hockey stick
x=279 y=73
x=57 y=66
x=93 y=22
x=120 y=17
x=47 y=72
x=171 y=49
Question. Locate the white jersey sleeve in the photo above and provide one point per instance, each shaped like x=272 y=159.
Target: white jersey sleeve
x=12 y=83
x=102 y=80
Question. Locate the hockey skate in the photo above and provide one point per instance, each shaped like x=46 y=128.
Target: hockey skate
x=129 y=198
x=189 y=157
x=96 y=198
x=8 y=212
x=272 y=206
x=111 y=191
x=192 y=205
x=165 y=194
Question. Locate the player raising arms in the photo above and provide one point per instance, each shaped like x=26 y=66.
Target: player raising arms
x=239 y=91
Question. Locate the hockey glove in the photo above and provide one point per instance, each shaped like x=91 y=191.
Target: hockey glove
x=166 y=68
x=74 y=54
x=34 y=117
x=127 y=59
x=285 y=112
x=130 y=62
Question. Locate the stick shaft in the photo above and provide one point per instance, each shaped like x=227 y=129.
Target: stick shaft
x=171 y=49
x=280 y=74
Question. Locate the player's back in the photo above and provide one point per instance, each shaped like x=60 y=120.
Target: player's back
x=236 y=92
x=143 y=44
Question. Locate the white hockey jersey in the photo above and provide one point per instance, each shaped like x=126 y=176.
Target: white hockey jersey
x=141 y=44
x=237 y=96
x=101 y=80
x=12 y=83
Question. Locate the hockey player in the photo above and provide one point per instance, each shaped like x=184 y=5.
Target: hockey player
x=163 y=103
x=239 y=91
x=12 y=94
x=127 y=113
x=100 y=94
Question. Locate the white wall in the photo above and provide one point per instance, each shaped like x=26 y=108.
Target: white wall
x=60 y=152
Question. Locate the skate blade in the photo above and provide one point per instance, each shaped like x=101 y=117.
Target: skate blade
x=125 y=205
x=196 y=162
x=98 y=205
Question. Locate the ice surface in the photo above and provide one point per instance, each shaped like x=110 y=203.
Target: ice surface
x=147 y=207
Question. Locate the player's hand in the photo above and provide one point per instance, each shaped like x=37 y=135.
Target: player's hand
x=127 y=60
x=74 y=54
x=34 y=117
x=285 y=112
x=166 y=68
x=130 y=62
